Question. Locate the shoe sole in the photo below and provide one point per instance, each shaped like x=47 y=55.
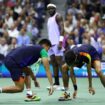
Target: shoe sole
x=31 y=100
x=64 y=99
x=28 y=100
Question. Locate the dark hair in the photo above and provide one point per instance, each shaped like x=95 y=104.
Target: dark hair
x=70 y=57
x=45 y=41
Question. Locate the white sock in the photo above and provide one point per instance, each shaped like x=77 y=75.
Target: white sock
x=66 y=88
x=29 y=92
x=0 y=90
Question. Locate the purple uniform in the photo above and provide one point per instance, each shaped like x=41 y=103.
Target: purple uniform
x=85 y=54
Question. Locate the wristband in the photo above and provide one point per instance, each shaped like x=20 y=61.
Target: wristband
x=75 y=87
x=61 y=38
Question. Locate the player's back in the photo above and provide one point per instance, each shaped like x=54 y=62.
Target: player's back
x=85 y=51
x=25 y=55
x=86 y=48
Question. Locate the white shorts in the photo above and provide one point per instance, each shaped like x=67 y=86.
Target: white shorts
x=55 y=51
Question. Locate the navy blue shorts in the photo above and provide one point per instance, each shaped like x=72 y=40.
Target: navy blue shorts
x=14 y=69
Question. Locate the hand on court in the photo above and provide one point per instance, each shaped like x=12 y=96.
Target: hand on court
x=51 y=90
x=36 y=84
x=91 y=90
x=75 y=94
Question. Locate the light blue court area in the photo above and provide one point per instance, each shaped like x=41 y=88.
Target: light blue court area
x=84 y=98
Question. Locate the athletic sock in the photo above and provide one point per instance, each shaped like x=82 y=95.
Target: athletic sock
x=29 y=92
x=66 y=90
x=0 y=90
x=56 y=80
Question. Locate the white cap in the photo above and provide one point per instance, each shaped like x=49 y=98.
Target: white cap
x=51 y=5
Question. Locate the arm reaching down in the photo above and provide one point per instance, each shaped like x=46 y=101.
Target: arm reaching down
x=73 y=78
x=91 y=89
x=49 y=75
x=87 y=60
x=45 y=62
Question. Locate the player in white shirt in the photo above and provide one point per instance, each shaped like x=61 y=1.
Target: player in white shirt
x=55 y=28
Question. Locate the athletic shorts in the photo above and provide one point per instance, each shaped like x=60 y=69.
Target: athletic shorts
x=14 y=69
x=55 y=51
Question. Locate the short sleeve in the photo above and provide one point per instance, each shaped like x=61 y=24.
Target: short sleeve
x=43 y=53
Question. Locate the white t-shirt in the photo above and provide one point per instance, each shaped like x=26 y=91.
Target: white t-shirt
x=13 y=33
x=9 y=22
x=4 y=49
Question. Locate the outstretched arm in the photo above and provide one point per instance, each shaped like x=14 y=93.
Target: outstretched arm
x=91 y=90
x=87 y=58
x=49 y=75
x=45 y=62
x=89 y=74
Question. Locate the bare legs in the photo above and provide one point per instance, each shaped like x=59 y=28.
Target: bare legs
x=55 y=69
x=28 y=85
x=97 y=66
x=65 y=76
x=57 y=65
x=19 y=86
